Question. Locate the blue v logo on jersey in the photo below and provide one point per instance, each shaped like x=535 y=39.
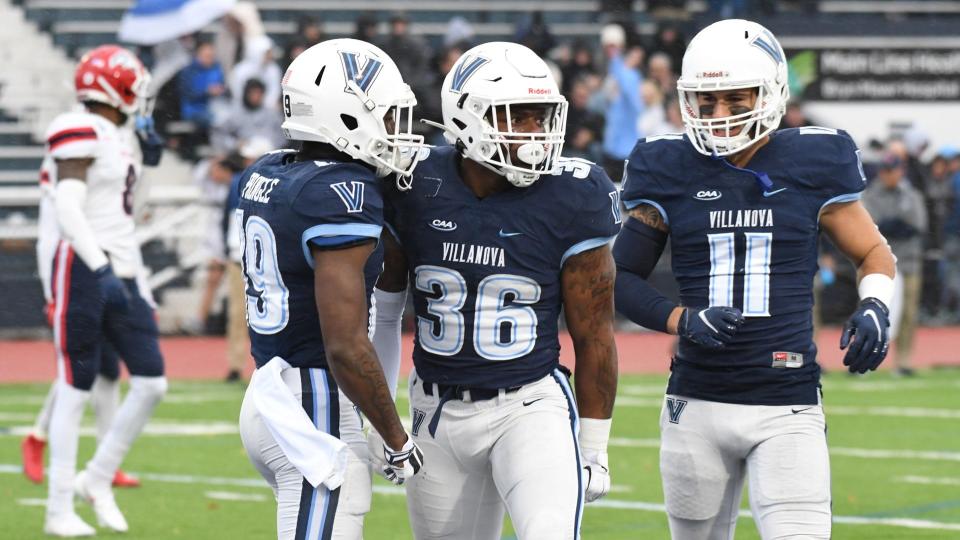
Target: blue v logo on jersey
x=615 y=201
x=352 y=196
x=675 y=409
x=362 y=75
x=465 y=70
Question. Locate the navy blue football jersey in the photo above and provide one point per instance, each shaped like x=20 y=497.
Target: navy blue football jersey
x=736 y=244
x=285 y=205
x=485 y=273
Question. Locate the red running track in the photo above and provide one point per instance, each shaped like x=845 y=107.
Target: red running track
x=205 y=358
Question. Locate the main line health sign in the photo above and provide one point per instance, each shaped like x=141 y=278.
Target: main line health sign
x=848 y=74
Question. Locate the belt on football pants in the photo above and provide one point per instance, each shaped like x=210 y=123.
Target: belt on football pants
x=448 y=392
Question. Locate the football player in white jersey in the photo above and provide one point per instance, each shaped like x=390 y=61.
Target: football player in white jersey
x=95 y=158
x=105 y=393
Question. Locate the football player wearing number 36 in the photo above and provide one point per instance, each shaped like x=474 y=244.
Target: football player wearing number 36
x=497 y=235
x=743 y=206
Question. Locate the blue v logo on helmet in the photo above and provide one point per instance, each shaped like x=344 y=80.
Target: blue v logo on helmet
x=766 y=42
x=362 y=75
x=465 y=70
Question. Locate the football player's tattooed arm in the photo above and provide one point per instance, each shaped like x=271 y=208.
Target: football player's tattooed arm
x=394 y=275
x=651 y=216
x=587 y=280
x=342 y=305
x=852 y=230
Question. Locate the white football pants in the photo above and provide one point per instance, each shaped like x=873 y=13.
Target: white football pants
x=517 y=451
x=707 y=447
x=305 y=512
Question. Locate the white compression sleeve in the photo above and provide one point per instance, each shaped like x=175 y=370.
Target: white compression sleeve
x=70 y=199
x=388 y=309
x=879 y=286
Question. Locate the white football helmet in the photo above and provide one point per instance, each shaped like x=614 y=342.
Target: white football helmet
x=730 y=55
x=499 y=75
x=345 y=92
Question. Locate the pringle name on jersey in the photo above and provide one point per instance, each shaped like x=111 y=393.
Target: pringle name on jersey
x=258 y=188
x=473 y=254
x=725 y=219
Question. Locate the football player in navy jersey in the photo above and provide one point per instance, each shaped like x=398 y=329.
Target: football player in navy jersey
x=743 y=207
x=309 y=223
x=497 y=235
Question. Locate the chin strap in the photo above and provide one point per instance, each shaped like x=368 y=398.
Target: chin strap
x=761 y=177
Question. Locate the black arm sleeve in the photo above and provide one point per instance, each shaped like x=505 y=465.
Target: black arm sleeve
x=636 y=252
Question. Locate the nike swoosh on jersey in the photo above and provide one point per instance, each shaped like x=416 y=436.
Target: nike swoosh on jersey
x=508 y=235
x=774 y=192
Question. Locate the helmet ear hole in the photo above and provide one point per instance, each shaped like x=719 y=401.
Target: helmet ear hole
x=349 y=121
x=460 y=125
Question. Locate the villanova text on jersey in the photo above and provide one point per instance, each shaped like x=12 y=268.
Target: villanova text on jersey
x=486 y=272
x=286 y=205
x=734 y=244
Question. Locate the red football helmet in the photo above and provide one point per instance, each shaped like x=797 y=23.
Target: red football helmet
x=112 y=75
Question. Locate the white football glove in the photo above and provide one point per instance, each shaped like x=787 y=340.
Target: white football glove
x=594 y=436
x=598 y=475
x=395 y=465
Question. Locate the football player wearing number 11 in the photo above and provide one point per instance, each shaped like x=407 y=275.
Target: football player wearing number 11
x=743 y=207
x=497 y=234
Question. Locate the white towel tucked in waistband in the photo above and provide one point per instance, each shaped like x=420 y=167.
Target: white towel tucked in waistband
x=319 y=456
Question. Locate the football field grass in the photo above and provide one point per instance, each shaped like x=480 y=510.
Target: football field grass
x=895 y=455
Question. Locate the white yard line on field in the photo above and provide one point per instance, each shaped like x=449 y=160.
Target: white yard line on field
x=929 y=480
x=181 y=429
x=234 y=496
x=399 y=491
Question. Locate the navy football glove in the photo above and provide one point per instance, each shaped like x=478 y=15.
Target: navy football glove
x=712 y=328
x=869 y=327
x=151 y=143
x=113 y=290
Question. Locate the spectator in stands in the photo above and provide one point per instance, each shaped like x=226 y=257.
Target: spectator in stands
x=411 y=54
x=584 y=127
x=653 y=119
x=309 y=33
x=533 y=32
x=246 y=119
x=200 y=82
x=794 y=117
x=213 y=176
x=915 y=140
x=660 y=71
x=951 y=247
x=366 y=28
x=459 y=32
x=898 y=209
x=239 y=26
x=430 y=108
x=940 y=199
x=580 y=64
x=674 y=119
x=258 y=64
x=672 y=43
x=624 y=105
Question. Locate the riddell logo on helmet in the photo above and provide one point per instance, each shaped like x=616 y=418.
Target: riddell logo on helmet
x=539 y=91
x=712 y=74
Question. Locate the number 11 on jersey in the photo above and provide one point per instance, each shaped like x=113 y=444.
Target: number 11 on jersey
x=756 y=272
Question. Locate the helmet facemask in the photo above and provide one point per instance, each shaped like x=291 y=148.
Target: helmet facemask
x=537 y=153
x=754 y=125
x=397 y=151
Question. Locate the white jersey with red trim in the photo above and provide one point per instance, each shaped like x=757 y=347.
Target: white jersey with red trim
x=117 y=164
